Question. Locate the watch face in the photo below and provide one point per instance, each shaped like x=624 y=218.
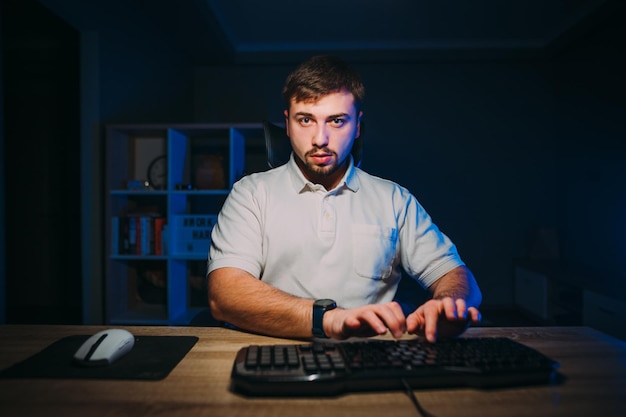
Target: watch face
x=157 y=173
x=325 y=304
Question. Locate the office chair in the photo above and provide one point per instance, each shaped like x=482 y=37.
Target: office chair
x=279 y=148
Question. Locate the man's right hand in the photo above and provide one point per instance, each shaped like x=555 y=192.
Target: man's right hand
x=365 y=321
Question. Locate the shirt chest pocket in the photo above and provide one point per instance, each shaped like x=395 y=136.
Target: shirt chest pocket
x=373 y=250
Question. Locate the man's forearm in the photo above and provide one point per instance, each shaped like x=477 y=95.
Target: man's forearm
x=458 y=283
x=244 y=301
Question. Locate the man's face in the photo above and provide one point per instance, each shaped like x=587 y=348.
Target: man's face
x=321 y=134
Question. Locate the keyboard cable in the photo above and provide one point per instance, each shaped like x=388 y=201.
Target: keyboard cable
x=409 y=392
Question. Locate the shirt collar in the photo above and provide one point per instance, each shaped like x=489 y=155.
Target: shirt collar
x=349 y=181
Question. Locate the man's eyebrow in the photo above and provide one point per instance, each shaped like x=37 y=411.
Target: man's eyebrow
x=338 y=116
x=330 y=117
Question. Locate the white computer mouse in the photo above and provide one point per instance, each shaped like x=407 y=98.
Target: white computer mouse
x=105 y=347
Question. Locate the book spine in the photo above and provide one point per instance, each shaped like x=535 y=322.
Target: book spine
x=125 y=231
x=144 y=227
x=132 y=235
x=165 y=233
x=151 y=250
x=159 y=223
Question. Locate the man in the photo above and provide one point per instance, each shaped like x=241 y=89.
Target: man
x=315 y=247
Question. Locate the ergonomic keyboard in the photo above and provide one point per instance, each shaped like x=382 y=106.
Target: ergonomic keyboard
x=337 y=367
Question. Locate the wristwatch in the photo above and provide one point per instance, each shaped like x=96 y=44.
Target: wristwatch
x=319 y=308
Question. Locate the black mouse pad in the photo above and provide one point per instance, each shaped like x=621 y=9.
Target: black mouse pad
x=152 y=358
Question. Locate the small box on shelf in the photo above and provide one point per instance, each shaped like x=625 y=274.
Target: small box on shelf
x=191 y=234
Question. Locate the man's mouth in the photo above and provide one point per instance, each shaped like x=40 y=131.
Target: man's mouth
x=321 y=158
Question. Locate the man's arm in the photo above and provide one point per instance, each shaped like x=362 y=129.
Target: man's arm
x=239 y=298
x=455 y=302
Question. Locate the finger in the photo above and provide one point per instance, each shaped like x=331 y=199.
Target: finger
x=397 y=310
x=431 y=316
x=374 y=320
x=370 y=319
x=449 y=307
x=393 y=317
x=461 y=309
x=356 y=326
x=414 y=322
x=474 y=315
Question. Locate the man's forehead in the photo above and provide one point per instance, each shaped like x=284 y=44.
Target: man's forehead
x=338 y=102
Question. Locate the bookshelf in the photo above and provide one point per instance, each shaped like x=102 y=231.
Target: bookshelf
x=165 y=185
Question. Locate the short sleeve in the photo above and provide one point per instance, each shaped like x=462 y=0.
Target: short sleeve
x=427 y=253
x=236 y=240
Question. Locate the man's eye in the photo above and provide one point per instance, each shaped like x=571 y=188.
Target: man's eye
x=305 y=121
x=337 y=122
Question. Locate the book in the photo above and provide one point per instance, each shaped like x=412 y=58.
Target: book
x=145 y=235
x=132 y=236
x=159 y=224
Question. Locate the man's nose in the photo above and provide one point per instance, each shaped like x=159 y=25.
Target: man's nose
x=320 y=138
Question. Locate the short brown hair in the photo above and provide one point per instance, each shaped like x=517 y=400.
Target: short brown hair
x=322 y=75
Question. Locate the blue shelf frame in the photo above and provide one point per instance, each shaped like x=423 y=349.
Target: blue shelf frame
x=121 y=306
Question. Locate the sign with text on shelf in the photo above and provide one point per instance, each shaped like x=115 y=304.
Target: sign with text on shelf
x=191 y=234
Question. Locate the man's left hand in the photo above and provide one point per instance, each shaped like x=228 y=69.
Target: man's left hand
x=442 y=318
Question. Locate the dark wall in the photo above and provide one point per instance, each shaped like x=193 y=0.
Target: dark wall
x=42 y=165
x=591 y=93
x=144 y=76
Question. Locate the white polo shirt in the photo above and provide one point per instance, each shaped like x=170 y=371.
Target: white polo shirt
x=347 y=244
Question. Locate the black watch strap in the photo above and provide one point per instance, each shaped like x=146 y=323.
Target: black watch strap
x=319 y=308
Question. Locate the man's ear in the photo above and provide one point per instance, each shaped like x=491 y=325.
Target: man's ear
x=358 y=125
x=286 y=113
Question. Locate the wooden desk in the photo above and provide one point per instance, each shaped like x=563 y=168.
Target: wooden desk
x=593 y=363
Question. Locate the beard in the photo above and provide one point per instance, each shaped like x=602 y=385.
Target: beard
x=316 y=171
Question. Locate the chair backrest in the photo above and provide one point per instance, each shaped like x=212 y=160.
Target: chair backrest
x=279 y=148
